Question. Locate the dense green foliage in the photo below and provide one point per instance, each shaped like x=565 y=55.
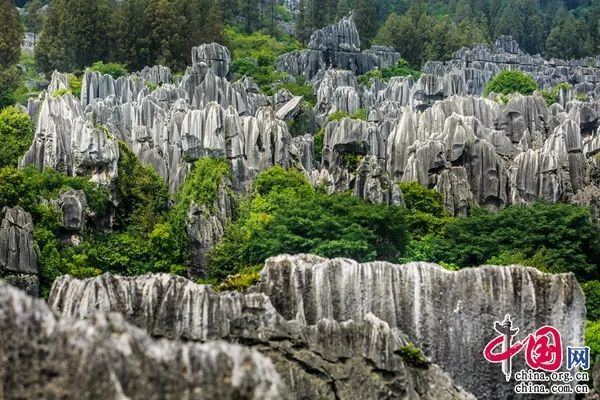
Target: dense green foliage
x=254 y=55
x=15 y=135
x=384 y=74
x=11 y=33
x=558 y=236
x=137 y=33
x=507 y=82
x=287 y=215
x=32 y=190
x=592 y=339
x=592 y=299
x=413 y=356
x=423 y=37
x=116 y=70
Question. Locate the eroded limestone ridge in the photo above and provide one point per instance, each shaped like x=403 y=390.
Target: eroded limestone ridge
x=43 y=356
x=324 y=321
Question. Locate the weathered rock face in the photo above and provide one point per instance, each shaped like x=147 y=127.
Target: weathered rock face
x=479 y=64
x=450 y=315
x=18 y=253
x=65 y=141
x=105 y=357
x=329 y=360
x=308 y=314
x=336 y=46
x=206 y=225
x=216 y=56
x=73 y=204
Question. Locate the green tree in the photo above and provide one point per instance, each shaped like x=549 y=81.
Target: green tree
x=366 y=18
x=34 y=16
x=11 y=34
x=287 y=215
x=76 y=34
x=567 y=39
x=15 y=135
x=408 y=33
x=141 y=193
x=560 y=236
x=507 y=82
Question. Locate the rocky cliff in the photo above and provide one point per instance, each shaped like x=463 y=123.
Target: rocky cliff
x=46 y=357
x=336 y=46
x=321 y=321
x=18 y=252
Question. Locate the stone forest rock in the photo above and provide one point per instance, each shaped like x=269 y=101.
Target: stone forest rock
x=309 y=313
x=18 y=252
x=314 y=361
x=206 y=225
x=105 y=357
x=336 y=46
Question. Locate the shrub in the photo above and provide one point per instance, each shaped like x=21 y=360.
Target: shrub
x=318 y=141
x=60 y=92
x=402 y=68
x=113 y=69
x=75 y=84
x=242 y=280
x=287 y=215
x=413 y=356
x=507 y=82
x=551 y=96
x=141 y=192
x=560 y=236
x=426 y=209
x=591 y=290
x=592 y=339
x=16 y=134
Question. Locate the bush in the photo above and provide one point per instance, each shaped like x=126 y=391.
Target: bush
x=413 y=356
x=592 y=339
x=60 y=92
x=507 y=82
x=551 y=96
x=113 y=69
x=254 y=55
x=141 y=192
x=287 y=215
x=591 y=290
x=402 y=68
x=426 y=209
x=75 y=84
x=16 y=134
x=242 y=280
x=560 y=236
x=318 y=141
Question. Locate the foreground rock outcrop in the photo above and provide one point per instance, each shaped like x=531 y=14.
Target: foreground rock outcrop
x=103 y=357
x=326 y=360
x=322 y=321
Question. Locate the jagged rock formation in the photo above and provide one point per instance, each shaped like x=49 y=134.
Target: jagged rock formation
x=478 y=65
x=67 y=142
x=319 y=312
x=73 y=204
x=105 y=357
x=335 y=46
x=205 y=226
x=329 y=360
x=18 y=252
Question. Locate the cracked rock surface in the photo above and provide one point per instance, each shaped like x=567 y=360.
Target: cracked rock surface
x=43 y=356
x=323 y=320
